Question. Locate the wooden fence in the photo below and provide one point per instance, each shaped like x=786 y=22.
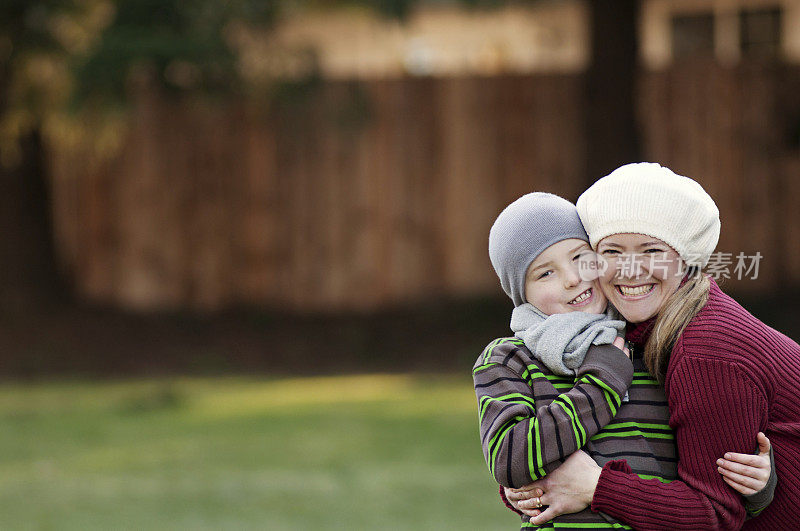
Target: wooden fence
x=358 y=195
x=355 y=196
x=737 y=131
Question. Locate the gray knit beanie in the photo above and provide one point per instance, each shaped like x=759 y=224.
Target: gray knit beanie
x=523 y=230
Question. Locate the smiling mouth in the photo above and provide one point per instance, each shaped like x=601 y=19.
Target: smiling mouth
x=581 y=299
x=635 y=291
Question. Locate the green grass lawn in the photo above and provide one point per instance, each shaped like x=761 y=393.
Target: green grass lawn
x=355 y=452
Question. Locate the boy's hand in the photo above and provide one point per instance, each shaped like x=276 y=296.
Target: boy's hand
x=620 y=344
x=747 y=473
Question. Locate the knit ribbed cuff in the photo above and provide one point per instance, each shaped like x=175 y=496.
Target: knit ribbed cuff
x=610 y=485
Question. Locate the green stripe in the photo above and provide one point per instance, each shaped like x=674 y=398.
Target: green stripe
x=552 y=377
x=614 y=402
x=494 y=443
x=637 y=425
x=487 y=352
x=530 y=373
x=644 y=378
x=535 y=372
x=531 y=427
x=648 y=476
x=536 y=470
x=577 y=429
x=476 y=370
x=633 y=433
x=516 y=398
x=501 y=432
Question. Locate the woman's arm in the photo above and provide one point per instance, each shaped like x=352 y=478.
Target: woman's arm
x=572 y=489
x=520 y=438
x=708 y=420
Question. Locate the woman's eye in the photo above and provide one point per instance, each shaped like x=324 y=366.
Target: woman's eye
x=609 y=252
x=545 y=274
x=654 y=250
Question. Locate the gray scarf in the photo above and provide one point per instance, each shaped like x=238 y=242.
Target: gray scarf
x=561 y=340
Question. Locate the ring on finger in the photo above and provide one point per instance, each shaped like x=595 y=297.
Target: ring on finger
x=538 y=501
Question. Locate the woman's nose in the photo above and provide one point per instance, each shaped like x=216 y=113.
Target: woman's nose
x=631 y=266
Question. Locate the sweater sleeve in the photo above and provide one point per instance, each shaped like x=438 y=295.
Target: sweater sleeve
x=521 y=437
x=715 y=407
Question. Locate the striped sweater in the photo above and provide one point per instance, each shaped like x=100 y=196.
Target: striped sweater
x=729 y=376
x=531 y=419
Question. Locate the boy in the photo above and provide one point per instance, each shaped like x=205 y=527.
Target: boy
x=556 y=387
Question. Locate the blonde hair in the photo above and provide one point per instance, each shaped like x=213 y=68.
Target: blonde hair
x=678 y=310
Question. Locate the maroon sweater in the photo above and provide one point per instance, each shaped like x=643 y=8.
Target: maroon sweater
x=729 y=377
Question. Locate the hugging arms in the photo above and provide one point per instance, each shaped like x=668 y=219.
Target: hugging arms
x=727 y=375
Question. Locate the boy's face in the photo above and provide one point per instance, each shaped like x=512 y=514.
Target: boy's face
x=553 y=282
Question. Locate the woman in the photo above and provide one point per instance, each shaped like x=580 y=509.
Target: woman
x=726 y=374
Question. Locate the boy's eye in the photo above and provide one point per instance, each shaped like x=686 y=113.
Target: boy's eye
x=654 y=250
x=541 y=276
x=608 y=252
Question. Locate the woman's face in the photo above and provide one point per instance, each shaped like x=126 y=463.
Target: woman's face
x=641 y=274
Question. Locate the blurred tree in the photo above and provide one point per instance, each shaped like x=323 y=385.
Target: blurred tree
x=57 y=54
x=35 y=39
x=181 y=46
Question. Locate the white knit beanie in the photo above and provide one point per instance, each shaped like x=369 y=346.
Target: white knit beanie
x=646 y=198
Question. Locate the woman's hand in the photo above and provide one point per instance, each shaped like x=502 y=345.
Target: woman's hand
x=528 y=492
x=747 y=473
x=567 y=489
